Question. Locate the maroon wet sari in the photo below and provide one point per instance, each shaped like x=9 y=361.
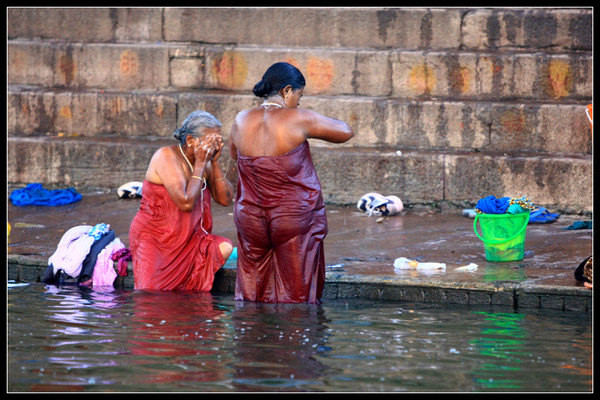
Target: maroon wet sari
x=281 y=222
x=169 y=248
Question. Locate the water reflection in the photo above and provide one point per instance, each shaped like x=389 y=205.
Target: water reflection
x=70 y=338
x=274 y=345
x=177 y=337
x=501 y=344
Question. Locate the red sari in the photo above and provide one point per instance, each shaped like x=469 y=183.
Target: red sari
x=280 y=217
x=169 y=249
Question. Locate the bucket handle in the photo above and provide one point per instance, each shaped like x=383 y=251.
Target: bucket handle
x=498 y=241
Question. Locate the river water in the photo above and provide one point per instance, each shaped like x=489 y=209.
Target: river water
x=78 y=339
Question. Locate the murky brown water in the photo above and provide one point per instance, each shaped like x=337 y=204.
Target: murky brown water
x=72 y=339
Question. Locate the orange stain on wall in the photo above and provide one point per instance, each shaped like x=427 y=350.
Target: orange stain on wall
x=559 y=79
x=230 y=69
x=513 y=120
x=65 y=112
x=293 y=61
x=67 y=68
x=460 y=79
x=129 y=63
x=422 y=79
x=159 y=110
x=320 y=73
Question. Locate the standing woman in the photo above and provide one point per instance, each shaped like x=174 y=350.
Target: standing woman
x=279 y=210
x=170 y=237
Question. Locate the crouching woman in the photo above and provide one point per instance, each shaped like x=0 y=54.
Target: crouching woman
x=170 y=238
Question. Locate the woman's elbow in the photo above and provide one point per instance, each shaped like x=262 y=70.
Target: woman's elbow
x=185 y=205
x=347 y=134
x=225 y=200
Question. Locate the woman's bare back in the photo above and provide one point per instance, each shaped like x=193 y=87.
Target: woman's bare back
x=271 y=131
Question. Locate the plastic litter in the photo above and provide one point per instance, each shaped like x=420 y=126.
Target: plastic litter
x=471 y=267
x=405 y=263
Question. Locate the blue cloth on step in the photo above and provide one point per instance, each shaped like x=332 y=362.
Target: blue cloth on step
x=581 y=225
x=34 y=194
x=542 y=216
x=492 y=205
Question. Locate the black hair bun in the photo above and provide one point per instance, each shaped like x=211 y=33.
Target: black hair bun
x=262 y=89
x=179 y=134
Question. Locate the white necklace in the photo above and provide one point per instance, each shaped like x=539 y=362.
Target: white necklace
x=186 y=159
x=271 y=104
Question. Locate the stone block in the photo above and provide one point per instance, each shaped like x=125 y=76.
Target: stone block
x=479 y=298
x=345 y=173
x=435 y=125
x=405 y=28
x=491 y=76
x=552 y=77
x=186 y=72
x=90 y=113
x=456 y=296
x=368 y=117
x=577 y=303
x=413 y=293
x=137 y=114
x=122 y=67
x=31 y=63
x=286 y=26
x=125 y=66
x=504 y=298
x=552 y=302
x=240 y=68
x=554 y=128
x=86 y=24
x=547 y=29
x=547 y=181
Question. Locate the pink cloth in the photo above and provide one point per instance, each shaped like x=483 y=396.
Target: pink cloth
x=104 y=270
x=122 y=256
x=72 y=249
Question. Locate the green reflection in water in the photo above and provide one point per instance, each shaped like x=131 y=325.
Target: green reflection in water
x=502 y=343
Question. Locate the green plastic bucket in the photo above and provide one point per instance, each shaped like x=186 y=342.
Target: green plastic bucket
x=503 y=235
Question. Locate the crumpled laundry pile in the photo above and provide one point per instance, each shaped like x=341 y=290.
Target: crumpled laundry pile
x=34 y=194
x=376 y=204
x=85 y=255
x=130 y=190
x=514 y=205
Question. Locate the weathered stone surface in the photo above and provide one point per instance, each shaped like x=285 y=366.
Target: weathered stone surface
x=427 y=125
x=544 y=29
x=554 y=182
x=86 y=24
x=347 y=174
x=317 y=27
x=407 y=74
x=31 y=112
x=104 y=66
x=489 y=76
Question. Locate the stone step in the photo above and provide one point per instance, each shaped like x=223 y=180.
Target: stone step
x=520 y=29
x=457 y=75
x=427 y=125
x=557 y=182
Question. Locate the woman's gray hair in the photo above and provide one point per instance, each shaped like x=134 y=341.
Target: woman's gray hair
x=195 y=124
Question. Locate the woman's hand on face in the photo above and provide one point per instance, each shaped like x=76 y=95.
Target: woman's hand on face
x=218 y=143
x=206 y=148
x=202 y=151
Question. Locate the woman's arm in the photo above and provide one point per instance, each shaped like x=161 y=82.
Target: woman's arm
x=183 y=192
x=318 y=126
x=220 y=187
